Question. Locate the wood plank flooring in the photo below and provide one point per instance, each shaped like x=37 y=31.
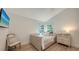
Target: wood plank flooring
x=54 y=47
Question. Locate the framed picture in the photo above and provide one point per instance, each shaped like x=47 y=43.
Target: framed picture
x=4 y=18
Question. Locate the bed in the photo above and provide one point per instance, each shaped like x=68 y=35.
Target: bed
x=42 y=42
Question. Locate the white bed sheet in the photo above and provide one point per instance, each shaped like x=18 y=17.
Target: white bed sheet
x=46 y=40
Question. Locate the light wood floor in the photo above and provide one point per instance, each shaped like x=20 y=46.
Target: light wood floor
x=54 y=47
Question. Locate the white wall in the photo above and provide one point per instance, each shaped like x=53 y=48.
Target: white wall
x=67 y=18
x=22 y=27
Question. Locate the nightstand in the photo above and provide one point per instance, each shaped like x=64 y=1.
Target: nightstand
x=64 y=39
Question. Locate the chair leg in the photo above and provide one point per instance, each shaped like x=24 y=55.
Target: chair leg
x=14 y=46
x=19 y=45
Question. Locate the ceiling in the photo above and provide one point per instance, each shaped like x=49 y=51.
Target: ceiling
x=41 y=14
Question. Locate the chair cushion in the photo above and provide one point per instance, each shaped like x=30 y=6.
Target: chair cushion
x=15 y=43
x=12 y=40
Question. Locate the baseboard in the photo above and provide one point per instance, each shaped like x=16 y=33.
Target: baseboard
x=25 y=43
x=75 y=46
